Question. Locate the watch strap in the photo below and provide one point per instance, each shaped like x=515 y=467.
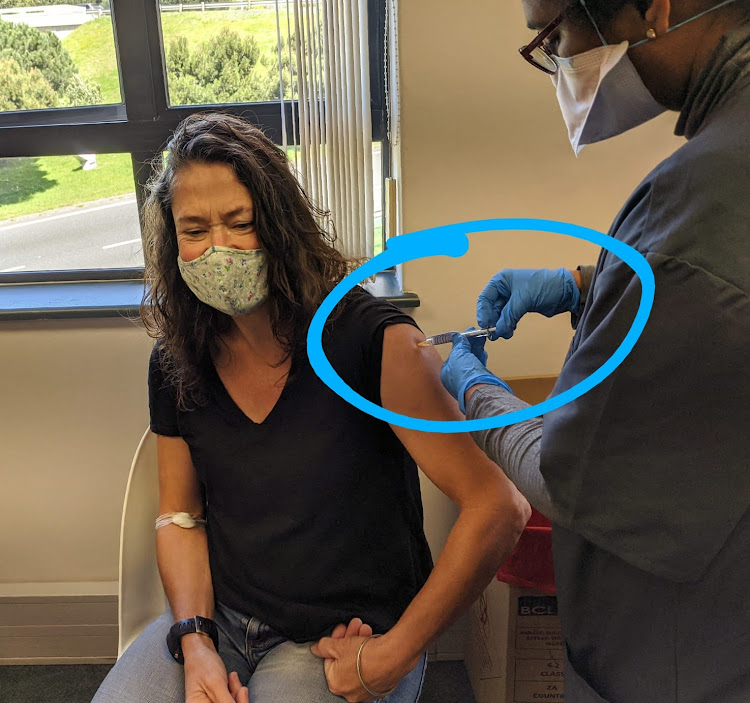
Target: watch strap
x=196 y=624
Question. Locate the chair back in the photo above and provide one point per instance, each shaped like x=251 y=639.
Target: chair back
x=141 y=595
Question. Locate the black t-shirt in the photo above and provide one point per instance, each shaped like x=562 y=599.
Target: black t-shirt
x=314 y=516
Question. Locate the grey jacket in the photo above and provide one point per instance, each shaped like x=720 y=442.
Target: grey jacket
x=647 y=476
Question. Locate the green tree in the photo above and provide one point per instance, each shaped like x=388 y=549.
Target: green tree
x=178 y=57
x=79 y=92
x=39 y=51
x=24 y=90
x=268 y=76
x=226 y=69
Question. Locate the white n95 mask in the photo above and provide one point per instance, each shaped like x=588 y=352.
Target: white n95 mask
x=233 y=281
x=601 y=95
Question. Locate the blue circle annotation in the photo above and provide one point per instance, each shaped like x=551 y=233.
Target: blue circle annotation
x=452 y=240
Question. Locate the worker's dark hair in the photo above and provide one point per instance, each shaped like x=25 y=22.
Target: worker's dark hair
x=603 y=11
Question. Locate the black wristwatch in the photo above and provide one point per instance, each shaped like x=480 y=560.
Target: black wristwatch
x=201 y=625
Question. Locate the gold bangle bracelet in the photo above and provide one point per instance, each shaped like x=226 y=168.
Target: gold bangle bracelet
x=359 y=671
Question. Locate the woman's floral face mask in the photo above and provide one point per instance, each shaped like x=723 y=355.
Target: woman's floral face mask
x=233 y=281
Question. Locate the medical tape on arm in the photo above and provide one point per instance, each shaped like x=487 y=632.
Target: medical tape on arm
x=185 y=520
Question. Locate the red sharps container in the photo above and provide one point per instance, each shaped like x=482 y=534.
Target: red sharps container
x=530 y=564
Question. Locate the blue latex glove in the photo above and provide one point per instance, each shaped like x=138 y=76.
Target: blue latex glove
x=514 y=292
x=465 y=367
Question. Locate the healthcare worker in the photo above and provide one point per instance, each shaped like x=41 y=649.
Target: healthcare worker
x=646 y=477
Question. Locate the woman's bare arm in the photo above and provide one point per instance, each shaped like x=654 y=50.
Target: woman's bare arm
x=492 y=512
x=183 y=564
x=492 y=515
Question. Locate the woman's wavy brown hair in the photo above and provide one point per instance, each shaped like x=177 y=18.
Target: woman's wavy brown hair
x=297 y=237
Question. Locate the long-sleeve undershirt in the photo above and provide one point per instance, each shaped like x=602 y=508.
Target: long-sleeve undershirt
x=517 y=448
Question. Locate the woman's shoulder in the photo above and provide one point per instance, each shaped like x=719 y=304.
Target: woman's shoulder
x=360 y=313
x=353 y=340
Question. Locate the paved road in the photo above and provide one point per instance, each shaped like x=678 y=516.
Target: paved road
x=98 y=236
x=101 y=236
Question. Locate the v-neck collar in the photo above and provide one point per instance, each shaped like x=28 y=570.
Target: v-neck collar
x=225 y=400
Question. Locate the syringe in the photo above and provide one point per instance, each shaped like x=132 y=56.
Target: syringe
x=447 y=337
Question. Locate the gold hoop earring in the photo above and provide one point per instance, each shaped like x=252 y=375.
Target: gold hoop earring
x=651 y=34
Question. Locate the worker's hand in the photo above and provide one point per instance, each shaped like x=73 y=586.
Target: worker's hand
x=206 y=679
x=465 y=367
x=514 y=292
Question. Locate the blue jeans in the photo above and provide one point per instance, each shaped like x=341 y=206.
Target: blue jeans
x=275 y=669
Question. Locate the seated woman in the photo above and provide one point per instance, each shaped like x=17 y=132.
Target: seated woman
x=312 y=508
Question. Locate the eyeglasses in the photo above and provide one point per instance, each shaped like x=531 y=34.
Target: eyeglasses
x=537 y=53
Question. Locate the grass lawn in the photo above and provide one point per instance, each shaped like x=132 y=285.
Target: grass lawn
x=197 y=27
x=92 y=48
x=32 y=185
x=378 y=247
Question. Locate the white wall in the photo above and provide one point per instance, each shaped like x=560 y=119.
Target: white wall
x=482 y=137
x=73 y=405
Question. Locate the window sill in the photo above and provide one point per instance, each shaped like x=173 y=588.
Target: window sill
x=404 y=300
x=69 y=300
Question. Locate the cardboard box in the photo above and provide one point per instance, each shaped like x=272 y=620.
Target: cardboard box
x=515 y=650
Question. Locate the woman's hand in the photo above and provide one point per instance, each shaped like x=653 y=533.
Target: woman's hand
x=340 y=655
x=356 y=628
x=514 y=292
x=206 y=678
x=238 y=691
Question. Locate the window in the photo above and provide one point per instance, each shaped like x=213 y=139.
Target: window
x=223 y=54
x=57 y=56
x=82 y=115
x=68 y=212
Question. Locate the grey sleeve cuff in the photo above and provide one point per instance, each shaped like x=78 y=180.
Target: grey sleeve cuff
x=587 y=276
x=516 y=449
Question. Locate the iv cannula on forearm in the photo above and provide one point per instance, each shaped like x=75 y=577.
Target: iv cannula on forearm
x=446 y=337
